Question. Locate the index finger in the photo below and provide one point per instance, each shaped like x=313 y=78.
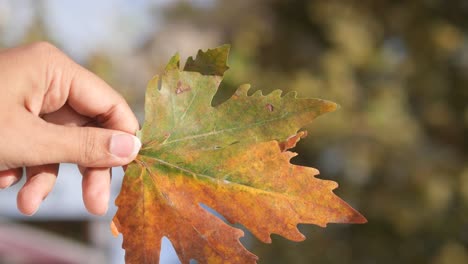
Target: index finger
x=91 y=96
x=88 y=94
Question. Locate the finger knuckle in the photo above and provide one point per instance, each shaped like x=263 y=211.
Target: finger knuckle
x=44 y=48
x=87 y=146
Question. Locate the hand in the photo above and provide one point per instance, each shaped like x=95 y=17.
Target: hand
x=52 y=110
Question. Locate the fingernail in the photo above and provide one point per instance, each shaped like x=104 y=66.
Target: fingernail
x=33 y=212
x=7 y=181
x=124 y=145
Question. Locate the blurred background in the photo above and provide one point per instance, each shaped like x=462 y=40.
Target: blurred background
x=398 y=146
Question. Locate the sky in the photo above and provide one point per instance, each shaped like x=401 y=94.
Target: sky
x=83 y=27
x=87 y=26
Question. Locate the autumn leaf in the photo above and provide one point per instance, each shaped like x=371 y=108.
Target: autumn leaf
x=232 y=158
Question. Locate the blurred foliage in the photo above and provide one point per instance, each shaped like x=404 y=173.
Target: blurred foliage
x=399 y=144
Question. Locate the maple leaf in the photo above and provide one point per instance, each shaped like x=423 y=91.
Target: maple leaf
x=232 y=158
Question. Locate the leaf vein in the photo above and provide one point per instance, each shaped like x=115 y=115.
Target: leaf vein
x=216 y=132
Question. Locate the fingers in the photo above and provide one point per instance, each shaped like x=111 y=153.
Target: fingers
x=86 y=146
x=89 y=95
x=96 y=189
x=104 y=104
x=43 y=86
x=51 y=79
x=39 y=182
x=66 y=116
x=96 y=181
x=10 y=177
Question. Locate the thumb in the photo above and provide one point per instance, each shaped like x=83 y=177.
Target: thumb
x=85 y=146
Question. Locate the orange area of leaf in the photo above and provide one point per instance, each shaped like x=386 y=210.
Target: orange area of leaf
x=264 y=192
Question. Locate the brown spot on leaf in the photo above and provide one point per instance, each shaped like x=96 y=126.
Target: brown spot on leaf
x=181 y=88
x=270 y=107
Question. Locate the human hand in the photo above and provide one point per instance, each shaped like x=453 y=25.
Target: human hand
x=52 y=110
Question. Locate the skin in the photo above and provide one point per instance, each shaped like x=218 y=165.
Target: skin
x=52 y=110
